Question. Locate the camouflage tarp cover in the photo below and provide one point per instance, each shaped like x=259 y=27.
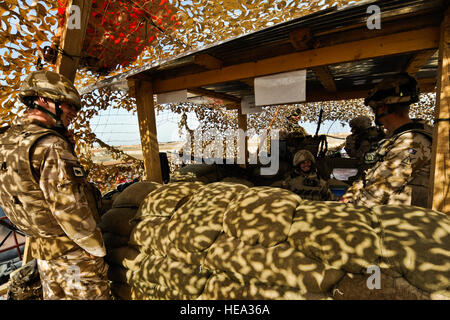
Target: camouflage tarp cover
x=224 y=240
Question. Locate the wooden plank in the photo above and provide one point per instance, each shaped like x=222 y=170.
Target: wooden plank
x=72 y=41
x=425 y=85
x=439 y=196
x=419 y=59
x=242 y=124
x=228 y=99
x=326 y=79
x=147 y=128
x=427 y=38
x=301 y=39
x=207 y=61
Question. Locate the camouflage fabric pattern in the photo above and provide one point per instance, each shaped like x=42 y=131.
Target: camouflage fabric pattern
x=401 y=178
x=74 y=276
x=308 y=186
x=50 y=85
x=50 y=194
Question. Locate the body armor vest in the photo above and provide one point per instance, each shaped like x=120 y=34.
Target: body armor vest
x=20 y=196
x=415 y=188
x=306 y=186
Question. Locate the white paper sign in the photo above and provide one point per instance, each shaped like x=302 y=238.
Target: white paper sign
x=281 y=88
x=172 y=97
x=248 y=105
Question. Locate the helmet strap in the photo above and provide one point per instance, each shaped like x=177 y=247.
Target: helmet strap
x=56 y=116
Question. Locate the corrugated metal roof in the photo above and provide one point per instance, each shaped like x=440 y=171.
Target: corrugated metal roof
x=275 y=40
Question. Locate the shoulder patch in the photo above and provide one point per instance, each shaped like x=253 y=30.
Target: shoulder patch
x=78 y=171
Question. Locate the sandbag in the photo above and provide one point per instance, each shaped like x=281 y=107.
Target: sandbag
x=151 y=234
x=222 y=287
x=164 y=271
x=416 y=243
x=119 y=274
x=340 y=235
x=239 y=181
x=127 y=257
x=134 y=194
x=354 y=287
x=152 y=291
x=279 y=265
x=261 y=215
x=166 y=199
x=112 y=240
x=121 y=291
x=205 y=211
x=117 y=221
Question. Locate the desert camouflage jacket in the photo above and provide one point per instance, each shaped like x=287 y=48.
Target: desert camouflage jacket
x=401 y=172
x=307 y=185
x=48 y=197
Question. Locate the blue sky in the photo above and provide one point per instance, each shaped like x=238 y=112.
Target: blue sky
x=120 y=127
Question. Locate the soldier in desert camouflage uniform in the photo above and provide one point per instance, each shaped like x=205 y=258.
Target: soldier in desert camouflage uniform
x=305 y=181
x=363 y=137
x=44 y=191
x=401 y=164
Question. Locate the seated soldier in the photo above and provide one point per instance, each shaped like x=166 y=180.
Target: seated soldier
x=304 y=179
x=364 y=137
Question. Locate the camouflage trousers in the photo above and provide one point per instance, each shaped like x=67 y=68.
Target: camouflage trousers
x=74 y=276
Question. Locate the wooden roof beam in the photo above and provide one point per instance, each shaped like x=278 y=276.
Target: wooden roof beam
x=301 y=39
x=418 y=61
x=326 y=79
x=212 y=94
x=72 y=40
x=410 y=41
x=207 y=61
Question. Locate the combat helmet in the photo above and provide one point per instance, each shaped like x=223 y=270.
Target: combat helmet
x=303 y=155
x=360 y=123
x=394 y=90
x=51 y=85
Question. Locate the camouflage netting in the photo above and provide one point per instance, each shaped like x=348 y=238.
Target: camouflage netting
x=225 y=240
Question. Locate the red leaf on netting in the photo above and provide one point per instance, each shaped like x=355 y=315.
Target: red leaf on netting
x=61 y=10
x=117 y=41
x=151 y=38
x=133 y=15
x=162 y=2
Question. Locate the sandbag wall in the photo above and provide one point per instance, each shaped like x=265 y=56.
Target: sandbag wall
x=224 y=240
x=116 y=226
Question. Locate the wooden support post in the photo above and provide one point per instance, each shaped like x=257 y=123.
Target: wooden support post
x=242 y=124
x=439 y=197
x=147 y=128
x=72 y=38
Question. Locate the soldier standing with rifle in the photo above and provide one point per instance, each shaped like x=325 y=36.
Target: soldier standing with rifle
x=401 y=163
x=44 y=191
